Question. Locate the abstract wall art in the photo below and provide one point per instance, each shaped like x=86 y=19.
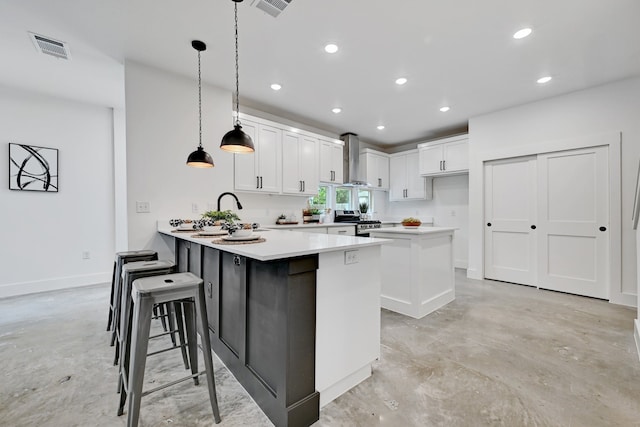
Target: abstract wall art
x=33 y=168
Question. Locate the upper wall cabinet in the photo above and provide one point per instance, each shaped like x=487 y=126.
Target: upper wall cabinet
x=449 y=156
x=374 y=165
x=331 y=169
x=261 y=171
x=405 y=181
x=299 y=164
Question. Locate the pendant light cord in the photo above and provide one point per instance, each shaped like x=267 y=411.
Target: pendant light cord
x=237 y=73
x=199 y=102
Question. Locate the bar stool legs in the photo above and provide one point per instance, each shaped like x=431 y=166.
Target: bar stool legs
x=181 y=289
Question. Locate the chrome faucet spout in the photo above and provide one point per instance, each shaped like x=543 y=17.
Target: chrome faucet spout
x=227 y=193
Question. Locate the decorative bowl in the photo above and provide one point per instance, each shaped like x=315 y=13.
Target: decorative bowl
x=241 y=232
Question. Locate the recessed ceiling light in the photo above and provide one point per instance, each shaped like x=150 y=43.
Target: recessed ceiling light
x=276 y=86
x=331 y=48
x=444 y=109
x=380 y=127
x=520 y=34
x=543 y=80
x=401 y=81
x=336 y=110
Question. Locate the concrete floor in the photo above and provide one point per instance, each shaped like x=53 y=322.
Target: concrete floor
x=500 y=354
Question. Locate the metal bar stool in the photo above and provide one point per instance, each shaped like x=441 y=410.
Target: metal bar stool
x=160 y=289
x=114 y=303
x=130 y=272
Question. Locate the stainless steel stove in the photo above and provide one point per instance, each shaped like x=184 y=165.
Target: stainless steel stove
x=353 y=217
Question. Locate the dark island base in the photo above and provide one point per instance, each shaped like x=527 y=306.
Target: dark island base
x=262 y=323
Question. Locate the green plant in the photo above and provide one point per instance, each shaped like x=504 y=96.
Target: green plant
x=364 y=207
x=221 y=216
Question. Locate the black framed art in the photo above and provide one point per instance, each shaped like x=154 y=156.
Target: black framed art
x=33 y=168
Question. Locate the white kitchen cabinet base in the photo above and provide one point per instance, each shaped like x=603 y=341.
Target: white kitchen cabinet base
x=418 y=310
x=417 y=270
x=347 y=320
x=344 y=385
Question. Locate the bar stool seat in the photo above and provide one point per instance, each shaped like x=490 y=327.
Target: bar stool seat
x=161 y=289
x=121 y=259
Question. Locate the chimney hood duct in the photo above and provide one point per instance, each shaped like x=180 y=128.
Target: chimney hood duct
x=351 y=160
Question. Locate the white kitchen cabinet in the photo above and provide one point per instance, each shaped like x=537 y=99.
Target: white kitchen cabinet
x=375 y=166
x=346 y=230
x=405 y=181
x=299 y=164
x=331 y=169
x=447 y=156
x=261 y=171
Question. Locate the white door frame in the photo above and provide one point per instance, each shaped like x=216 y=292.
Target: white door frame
x=613 y=141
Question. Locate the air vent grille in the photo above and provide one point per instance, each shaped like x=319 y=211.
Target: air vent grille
x=50 y=46
x=272 y=7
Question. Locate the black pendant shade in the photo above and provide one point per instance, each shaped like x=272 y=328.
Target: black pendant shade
x=199 y=158
x=237 y=141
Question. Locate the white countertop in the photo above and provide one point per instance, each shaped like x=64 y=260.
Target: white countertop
x=308 y=225
x=420 y=231
x=281 y=244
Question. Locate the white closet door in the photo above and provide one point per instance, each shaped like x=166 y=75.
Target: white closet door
x=510 y=211
x=573 y=222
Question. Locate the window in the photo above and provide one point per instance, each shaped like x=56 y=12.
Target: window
x=319 y=201
x=365 y=198
x=343 y=198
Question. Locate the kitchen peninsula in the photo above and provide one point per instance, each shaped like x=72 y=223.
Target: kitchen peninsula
x=417 y=269
x=295 y=318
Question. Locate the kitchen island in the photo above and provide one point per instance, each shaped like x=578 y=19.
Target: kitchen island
x=295 y=318
x=417 y=269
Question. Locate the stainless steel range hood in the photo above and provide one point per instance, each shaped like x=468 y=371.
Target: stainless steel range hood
x=351 y=161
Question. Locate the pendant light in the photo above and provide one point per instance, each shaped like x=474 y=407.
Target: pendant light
x=199 y=158
x=236 y=140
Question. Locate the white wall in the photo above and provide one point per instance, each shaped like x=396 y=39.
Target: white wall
x=162 y=129
x=602 y=110
x=449 y=208
x=45 y=234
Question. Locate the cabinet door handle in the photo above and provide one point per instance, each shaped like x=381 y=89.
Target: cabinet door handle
x=209 y=289
x=488 y=224
x=342 y=231
x=304 y=186
x=257 y=182
x=602 y=228
x=379 y=182
x=533 y=227
x=444 y=165
x=260 y=182
x=440 y=164
x=333 y=175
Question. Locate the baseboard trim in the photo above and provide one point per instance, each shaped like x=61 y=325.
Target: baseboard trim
x=636 y=335
x=338 y=389
x=25 y=288
x=629 y=300
x=461 y=263
x=472 y=273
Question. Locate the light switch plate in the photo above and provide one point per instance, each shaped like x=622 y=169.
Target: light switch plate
x=142 y=207
x=350 y=257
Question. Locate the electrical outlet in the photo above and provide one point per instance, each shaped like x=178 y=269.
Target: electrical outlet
x=142 y=207
x=350 y=257
x=86 y=255
x=194 y=207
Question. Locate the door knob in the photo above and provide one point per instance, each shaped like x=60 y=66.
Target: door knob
x=533 y=227
x=603 y=229
x=488 y=224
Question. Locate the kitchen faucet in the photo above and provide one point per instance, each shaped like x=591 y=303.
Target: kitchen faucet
x=229 y=194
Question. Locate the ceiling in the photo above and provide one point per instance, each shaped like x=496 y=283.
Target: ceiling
x=458 y=53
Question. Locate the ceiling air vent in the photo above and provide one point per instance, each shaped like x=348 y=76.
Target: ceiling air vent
x=272 y=7
x=50 y=46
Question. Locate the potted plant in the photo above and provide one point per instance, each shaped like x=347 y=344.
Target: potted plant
x=220 y=216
